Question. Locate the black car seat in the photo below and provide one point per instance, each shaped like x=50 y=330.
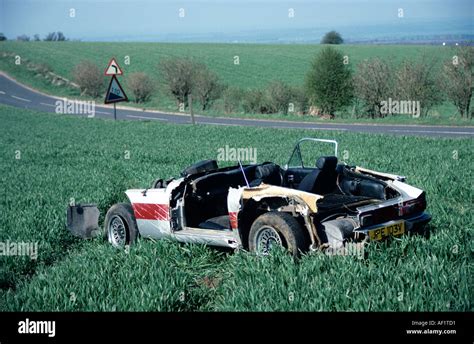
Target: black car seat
x=323 y=179
x=268 y=173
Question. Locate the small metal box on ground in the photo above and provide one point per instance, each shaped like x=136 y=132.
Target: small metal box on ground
x=83 y=220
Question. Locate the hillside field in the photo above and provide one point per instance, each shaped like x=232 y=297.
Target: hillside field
x=46 y=160
x=258 y=65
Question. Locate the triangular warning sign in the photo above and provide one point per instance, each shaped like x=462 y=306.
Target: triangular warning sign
x=113 y=68
x=115 y=92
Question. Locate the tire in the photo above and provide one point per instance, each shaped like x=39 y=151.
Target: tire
x=267 y=228
x=120 y=225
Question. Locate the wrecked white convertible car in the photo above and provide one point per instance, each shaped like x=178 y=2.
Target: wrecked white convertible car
x=306 y=205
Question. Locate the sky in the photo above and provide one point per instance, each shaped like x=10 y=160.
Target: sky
x=147 y=19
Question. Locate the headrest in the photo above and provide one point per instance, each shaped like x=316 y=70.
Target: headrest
x=269 y=173
x=199 y=167
x=265 y=170
x=327 y=163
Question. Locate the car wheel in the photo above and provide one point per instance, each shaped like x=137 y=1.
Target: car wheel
x=277 y=229
x=120 y=225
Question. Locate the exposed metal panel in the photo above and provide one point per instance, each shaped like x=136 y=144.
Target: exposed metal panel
x=154 y=228
x=264 y=191
x=207 y=236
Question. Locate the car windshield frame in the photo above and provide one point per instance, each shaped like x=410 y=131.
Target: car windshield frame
x=296 y=154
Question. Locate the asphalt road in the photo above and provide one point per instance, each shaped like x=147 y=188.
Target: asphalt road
x=15 y=94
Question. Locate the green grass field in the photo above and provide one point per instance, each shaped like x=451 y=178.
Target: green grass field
x=259 y=64
x=45 y=160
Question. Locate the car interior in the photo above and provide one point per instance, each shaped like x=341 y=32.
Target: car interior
x=207 y=188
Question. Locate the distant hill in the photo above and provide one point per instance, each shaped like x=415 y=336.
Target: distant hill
x=411 y=32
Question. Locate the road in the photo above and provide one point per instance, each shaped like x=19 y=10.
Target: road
x=15 y=94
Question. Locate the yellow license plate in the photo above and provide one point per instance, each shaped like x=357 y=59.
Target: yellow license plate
x=394 y=229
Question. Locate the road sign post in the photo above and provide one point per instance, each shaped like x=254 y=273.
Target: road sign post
x=115 y=92
x=190 y=104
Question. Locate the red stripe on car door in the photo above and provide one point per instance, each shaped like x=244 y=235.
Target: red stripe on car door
x=146 y=211
x=233 y=220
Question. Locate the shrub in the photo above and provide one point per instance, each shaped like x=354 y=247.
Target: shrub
x=278 y=96
x=418 y=81
x=373 y=83
x=329 y=82
x=232 y=99
x=300 y=99
x=141 y=86
x=255 y=101
x=89 y=78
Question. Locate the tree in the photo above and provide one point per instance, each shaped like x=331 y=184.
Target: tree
x=55 y=36
x=50 y=36
x=279 y=97
x=373 y=84
x=23 y=38
x=60 y=36
x=418 y=81
x=89 y=78
x=36 y=37
x=206 y=86
x=329 y=82
x=2 y=37
x=332 y=37
x=458 y=79
x=141 y=86
x=178 y=74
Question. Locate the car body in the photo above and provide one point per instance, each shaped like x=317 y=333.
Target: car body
x=258 y=206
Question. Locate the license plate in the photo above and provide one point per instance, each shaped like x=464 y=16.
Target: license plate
x=394 y=229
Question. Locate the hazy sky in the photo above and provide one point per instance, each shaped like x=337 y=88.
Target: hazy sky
x=95 y=20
